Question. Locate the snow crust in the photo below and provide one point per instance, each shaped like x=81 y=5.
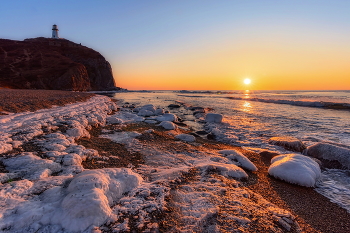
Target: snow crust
x=296 y=169
x=85 y=203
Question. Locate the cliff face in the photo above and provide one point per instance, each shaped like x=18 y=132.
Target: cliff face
x=55 y=64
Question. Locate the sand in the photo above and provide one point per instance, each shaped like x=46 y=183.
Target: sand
x=20 y=100
x=314 y=212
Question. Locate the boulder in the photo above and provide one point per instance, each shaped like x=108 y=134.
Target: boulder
x=168 y=125
x=296 y=169
x=213 y=117
x=167 y=117
x=186 y=137
x=289 y=143
x=334 y=156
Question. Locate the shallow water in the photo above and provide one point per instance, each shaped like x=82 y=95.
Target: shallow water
x=250 y=123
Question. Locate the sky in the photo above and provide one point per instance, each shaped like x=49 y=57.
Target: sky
x=200 y=44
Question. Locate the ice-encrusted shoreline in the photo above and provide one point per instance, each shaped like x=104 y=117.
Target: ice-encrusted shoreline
x=48 y=189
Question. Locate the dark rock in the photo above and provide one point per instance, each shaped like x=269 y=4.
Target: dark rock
x=201 y=132
x=194 y=134
x=174 y=106
x=54 y=64
x=211 y=136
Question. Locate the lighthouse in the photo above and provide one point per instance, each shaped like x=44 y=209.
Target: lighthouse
x=55 y=32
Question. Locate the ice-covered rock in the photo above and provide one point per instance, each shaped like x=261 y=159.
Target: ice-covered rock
x=227 y=170
x=121 y=137
x=167 y=117
x=168 y=125
x=296 y=169
x=149 y=107
x=114 y=120
x=77 y=130
x=151 y=121
x=71 y=159
x=186 y=137
x=289 y=143
x=30 y=166
x=330 y=152
x=159 y=111
x=145 y=113
x=239 y=159
x=213 y=117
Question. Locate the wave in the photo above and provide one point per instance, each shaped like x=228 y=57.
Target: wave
x=317 y=104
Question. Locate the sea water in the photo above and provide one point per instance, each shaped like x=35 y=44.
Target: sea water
x=251 y=118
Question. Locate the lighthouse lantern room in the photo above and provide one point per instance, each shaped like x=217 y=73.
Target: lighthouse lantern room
x=55 y=32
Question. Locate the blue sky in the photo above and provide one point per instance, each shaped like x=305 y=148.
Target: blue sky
x=159 y=38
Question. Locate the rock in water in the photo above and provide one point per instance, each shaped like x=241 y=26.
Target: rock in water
x=296 y=169
x=330 y=153
x=45 y=63
x=288 y=143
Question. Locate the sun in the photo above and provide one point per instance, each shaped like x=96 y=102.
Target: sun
x=247 y=81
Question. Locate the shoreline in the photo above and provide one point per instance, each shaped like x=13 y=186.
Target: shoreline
x=304 y=203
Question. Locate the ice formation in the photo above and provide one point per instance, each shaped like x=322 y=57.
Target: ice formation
x=330 y=152
x=289 y=143
x=239 y=159
x=295 y=169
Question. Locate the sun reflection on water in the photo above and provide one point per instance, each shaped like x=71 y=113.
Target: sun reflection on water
x=246 y=106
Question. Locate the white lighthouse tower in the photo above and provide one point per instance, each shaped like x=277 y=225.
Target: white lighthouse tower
x=55 y=32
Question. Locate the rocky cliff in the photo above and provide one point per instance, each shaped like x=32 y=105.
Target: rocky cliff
x=55 y=64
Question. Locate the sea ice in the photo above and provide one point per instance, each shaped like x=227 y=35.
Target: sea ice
x=239 y=159
x=289 y=143
x=330 y=152
x=296 y=169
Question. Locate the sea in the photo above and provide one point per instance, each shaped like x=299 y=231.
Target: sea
x=251 y=118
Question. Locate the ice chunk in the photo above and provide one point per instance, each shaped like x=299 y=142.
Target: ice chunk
x=296 y=169
x=114 y=120
x=167 y=117
x=227 y=170
x=213 y=117
x=149 y=107
x=168 y=125
x=289 y=143
x=239 y=159
x=330 y=152
x=30 y=166
x=186 y=137
x=121 y=137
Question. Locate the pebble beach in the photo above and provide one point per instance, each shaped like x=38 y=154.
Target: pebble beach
x=175 y=185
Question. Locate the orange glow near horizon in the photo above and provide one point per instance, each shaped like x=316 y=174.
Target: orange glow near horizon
x=276 y=64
